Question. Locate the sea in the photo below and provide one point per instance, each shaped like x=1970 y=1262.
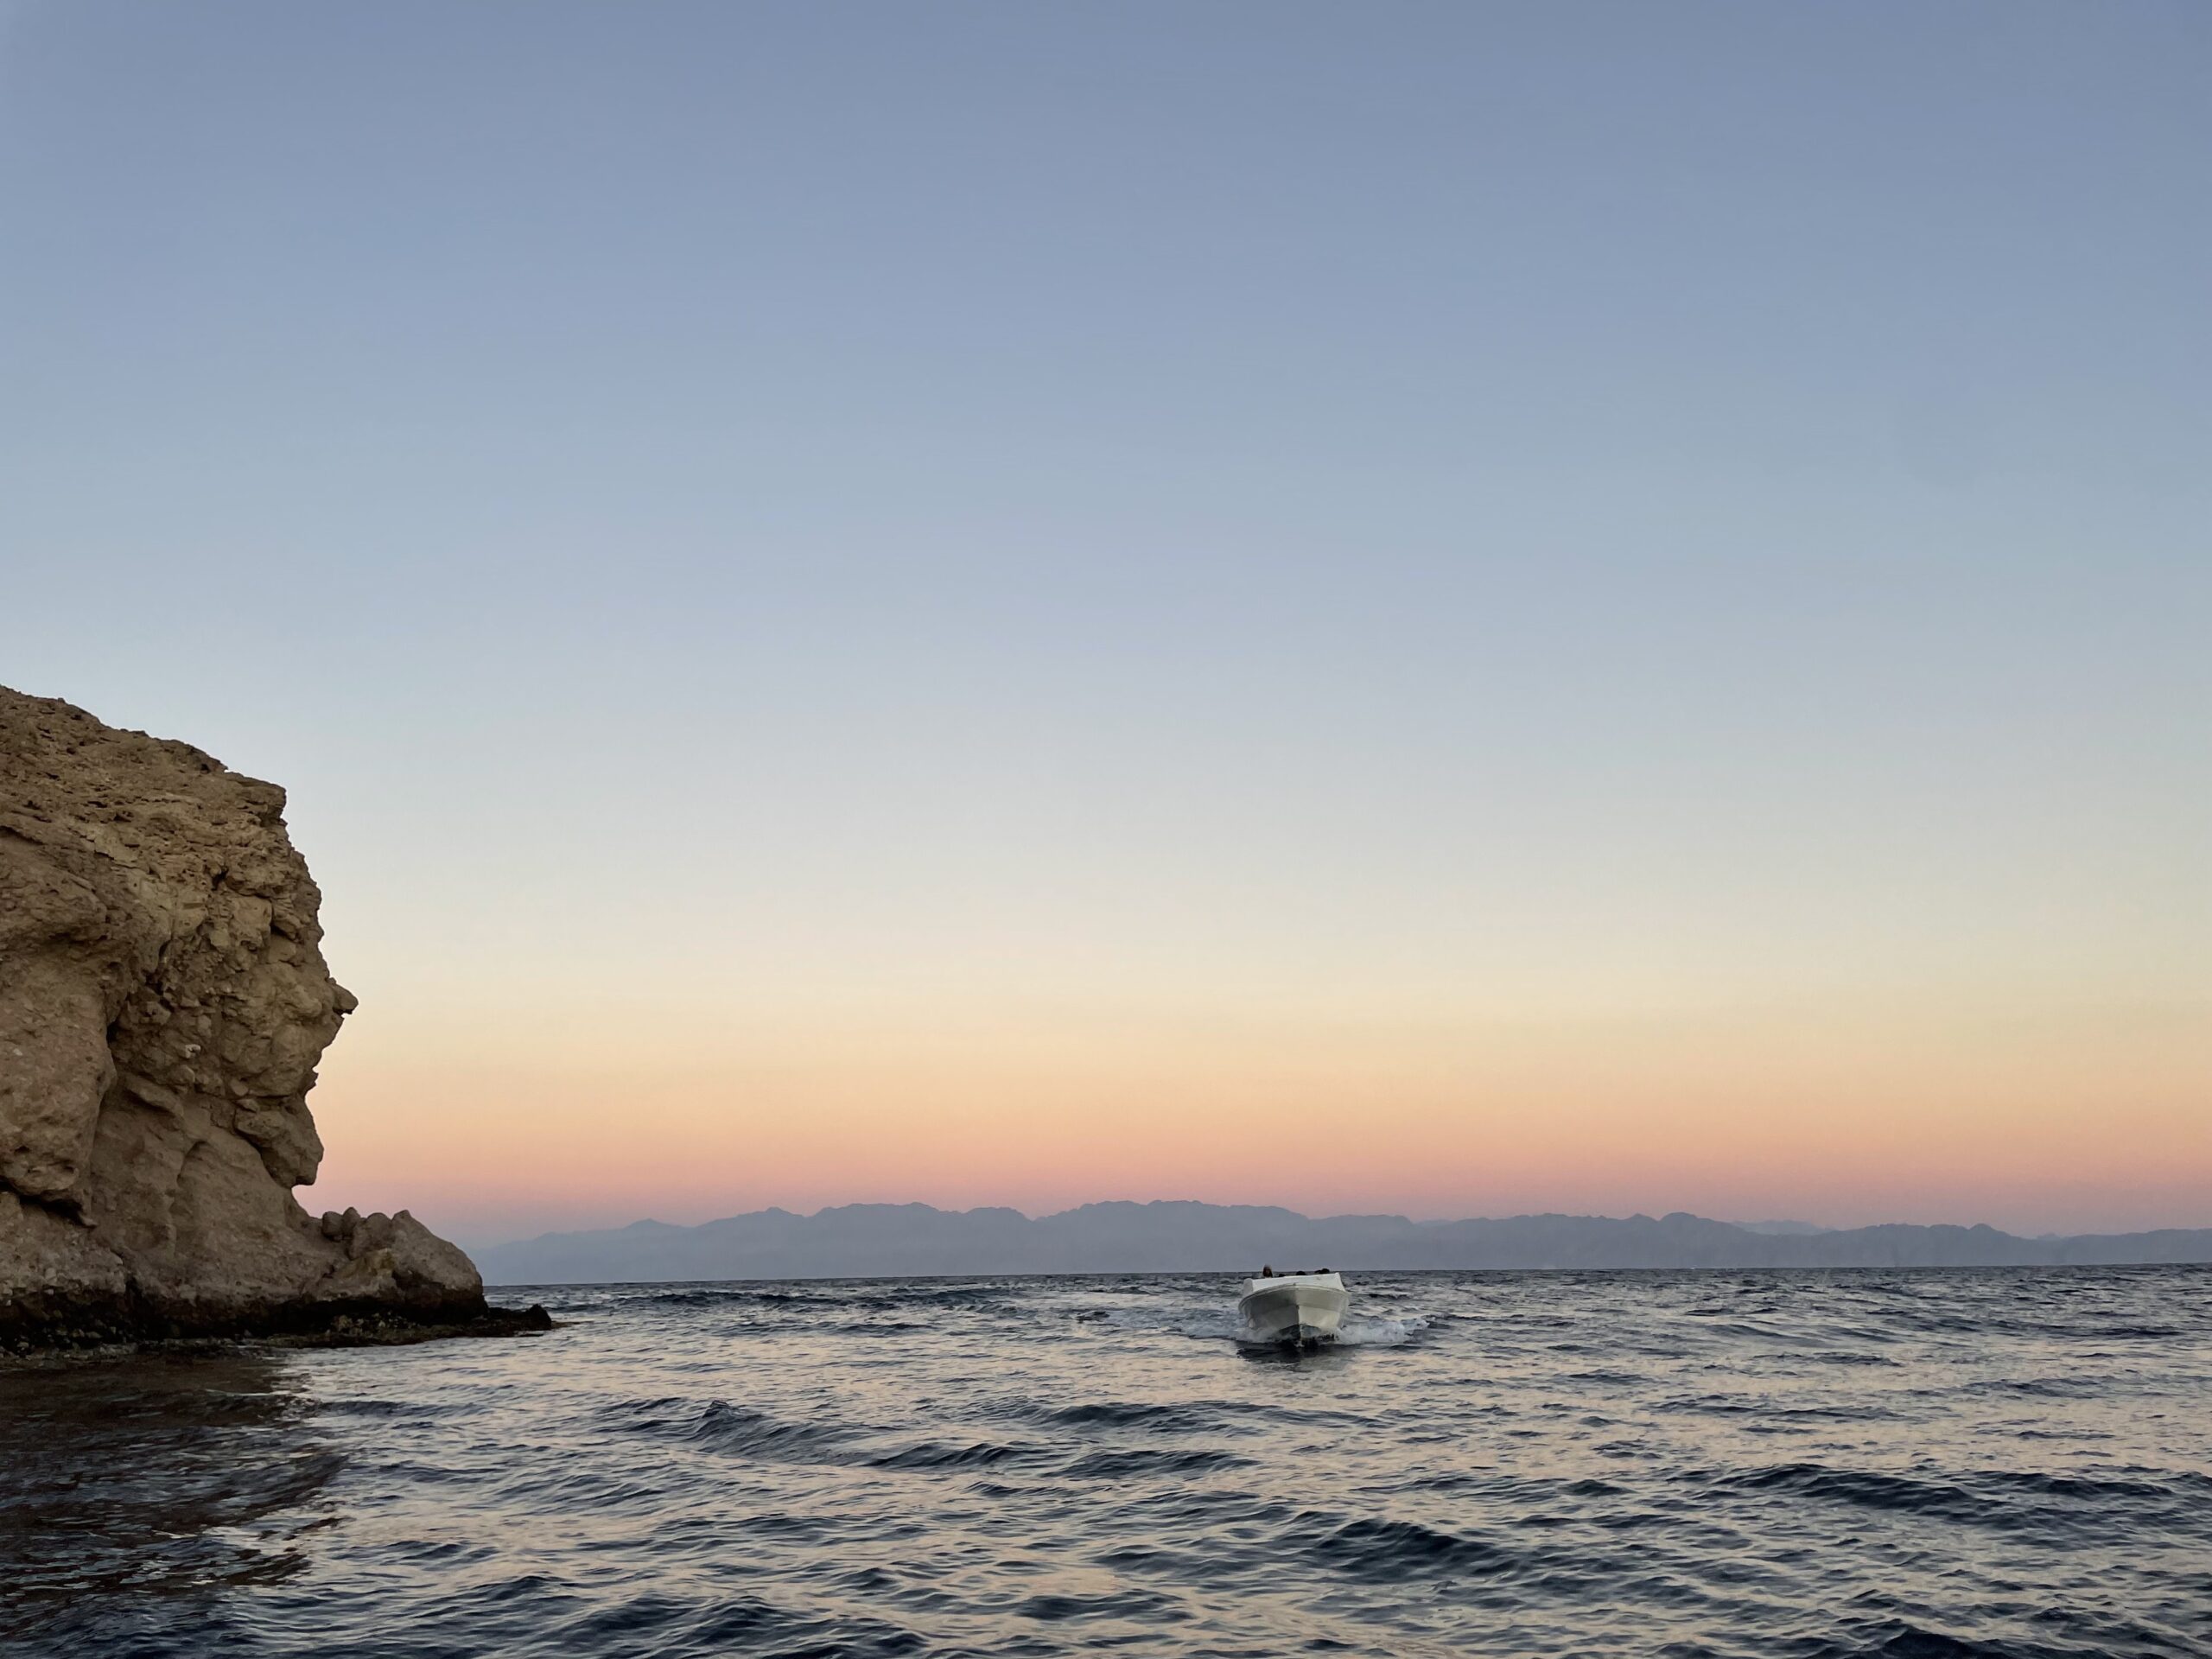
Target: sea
x=1804 y=1464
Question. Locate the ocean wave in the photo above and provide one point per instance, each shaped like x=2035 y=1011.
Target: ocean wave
x=1902 y=1639
x=1123 y=1464
x=717 y=1424
x=1387 y=1551
x=2001 y=1500
x=1543 y=1465
x=1382 y=1333
x=940 y=1454
x=1179 y=1417
x=1770 y=1411
x=1869 y=1489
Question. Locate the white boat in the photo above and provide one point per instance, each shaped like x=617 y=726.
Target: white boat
x=1294 y=1309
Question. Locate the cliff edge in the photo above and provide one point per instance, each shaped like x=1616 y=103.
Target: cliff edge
x=163 y=1001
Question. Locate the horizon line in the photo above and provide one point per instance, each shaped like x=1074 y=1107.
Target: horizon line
x=1285 y=1209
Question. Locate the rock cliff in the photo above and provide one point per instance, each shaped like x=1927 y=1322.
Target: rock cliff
x=163 y=1001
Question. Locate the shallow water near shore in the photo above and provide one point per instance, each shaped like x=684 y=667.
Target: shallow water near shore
x=1928 y=1463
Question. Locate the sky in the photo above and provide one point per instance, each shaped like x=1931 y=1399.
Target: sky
x=1456 y=609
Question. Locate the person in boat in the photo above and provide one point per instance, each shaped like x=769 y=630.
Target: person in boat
x=1267 y=1272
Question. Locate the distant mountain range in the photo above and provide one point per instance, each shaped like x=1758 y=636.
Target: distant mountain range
x=914 y=1240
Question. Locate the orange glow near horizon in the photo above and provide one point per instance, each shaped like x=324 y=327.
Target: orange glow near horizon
x=532 y=1122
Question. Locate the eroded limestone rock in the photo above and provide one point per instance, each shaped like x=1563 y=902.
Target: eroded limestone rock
x=163 y=1001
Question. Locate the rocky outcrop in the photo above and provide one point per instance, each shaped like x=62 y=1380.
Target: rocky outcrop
x=163 y=1001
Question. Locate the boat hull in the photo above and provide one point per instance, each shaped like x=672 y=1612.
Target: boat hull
x=1293 y=1313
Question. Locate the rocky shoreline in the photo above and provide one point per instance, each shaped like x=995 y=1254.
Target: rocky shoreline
x=163 y=1003
x=33 y=1332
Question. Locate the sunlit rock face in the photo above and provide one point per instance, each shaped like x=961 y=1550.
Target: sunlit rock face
x=163 y=1001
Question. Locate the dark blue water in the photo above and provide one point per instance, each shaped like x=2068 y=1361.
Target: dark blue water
x=1907 y=1464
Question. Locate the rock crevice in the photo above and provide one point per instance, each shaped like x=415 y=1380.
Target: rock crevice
x=163 y=1004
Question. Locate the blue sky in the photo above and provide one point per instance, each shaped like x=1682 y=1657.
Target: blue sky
x=1541 y=511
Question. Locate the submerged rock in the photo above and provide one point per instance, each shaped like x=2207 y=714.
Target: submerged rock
x=163 y=1001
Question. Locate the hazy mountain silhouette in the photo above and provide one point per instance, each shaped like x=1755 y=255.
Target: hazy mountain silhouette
x=1801 y=1227
x=870 y=1240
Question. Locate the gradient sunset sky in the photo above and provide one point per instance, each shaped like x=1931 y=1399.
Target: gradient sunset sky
x=1449 y=608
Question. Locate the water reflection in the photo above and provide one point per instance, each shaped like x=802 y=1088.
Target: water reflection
x=159 y=1477
x=1850 y=1465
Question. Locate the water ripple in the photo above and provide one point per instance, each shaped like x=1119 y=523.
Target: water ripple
x=1731 y=1466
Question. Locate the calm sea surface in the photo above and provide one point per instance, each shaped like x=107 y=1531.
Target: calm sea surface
x=1911 y=1464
